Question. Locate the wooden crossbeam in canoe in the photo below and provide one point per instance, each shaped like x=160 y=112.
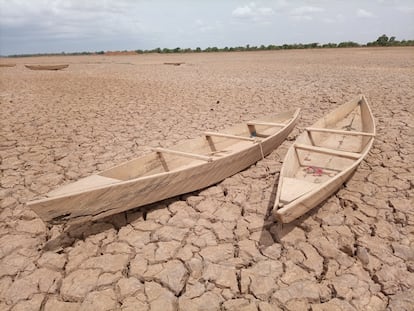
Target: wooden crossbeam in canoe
x=338 y=153
x=183 y=154
x=266 y=123
x=333 y=131
x=210 y=134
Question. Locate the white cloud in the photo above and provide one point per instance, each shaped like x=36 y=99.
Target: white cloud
x=406 y=9
x=328 y=20
x=281 y=3
x=252 y=12
x=69 y=19
x=245 y=11
x=364 y=13
x=205 y=27
x=302 y=17
x=75 y=25
x=338 y=18
x=306 y=10
x=305 y=13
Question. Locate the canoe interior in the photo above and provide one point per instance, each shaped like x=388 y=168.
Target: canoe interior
x=306 y=170
x=160 y=163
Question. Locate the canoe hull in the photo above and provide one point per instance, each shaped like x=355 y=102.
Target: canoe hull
x=286 y=212
x=116 y=198
x=316 y=197
x=46 y=67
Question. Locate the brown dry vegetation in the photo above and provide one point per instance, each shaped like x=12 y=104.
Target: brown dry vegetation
x=216 y=249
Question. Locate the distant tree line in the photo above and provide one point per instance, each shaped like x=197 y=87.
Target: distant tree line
x=383 y=40
x=391 y=41
x=252 y=48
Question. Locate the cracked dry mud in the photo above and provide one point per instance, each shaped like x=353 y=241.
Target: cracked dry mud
x=218 y=248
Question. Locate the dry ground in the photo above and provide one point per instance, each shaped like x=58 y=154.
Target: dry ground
x=216 y=249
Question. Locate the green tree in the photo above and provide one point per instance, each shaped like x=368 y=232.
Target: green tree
x=382 y=40
x=347 y=44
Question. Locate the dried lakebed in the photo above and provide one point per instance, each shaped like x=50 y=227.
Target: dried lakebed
x=219 y=248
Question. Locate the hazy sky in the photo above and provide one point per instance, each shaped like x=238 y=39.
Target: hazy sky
x=35 y=26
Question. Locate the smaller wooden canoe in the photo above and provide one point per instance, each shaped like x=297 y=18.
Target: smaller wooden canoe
x=174 y=64
x=324 y=157
x=7 y=65
x=191 y=165
x=46 y=67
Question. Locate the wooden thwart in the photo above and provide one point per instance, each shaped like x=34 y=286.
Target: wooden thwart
x=183 y=154
x=333 y=131
x=266 y=123
x=339 y=153
x=230 y=136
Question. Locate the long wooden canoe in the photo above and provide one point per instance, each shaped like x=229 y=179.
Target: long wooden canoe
x=46 y=67
x=7 y=65
x=164 y=173
x=324 y=157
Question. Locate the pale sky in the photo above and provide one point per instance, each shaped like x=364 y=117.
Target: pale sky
x=54 y=26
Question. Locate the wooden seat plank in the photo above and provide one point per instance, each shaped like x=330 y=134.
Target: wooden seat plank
x=209 y=134
x=266 y=123
x=183 y=154
x=334 y=131
x=338 y=153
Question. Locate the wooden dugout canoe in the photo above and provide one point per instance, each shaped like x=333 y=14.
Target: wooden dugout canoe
x=164 y=173
x=7 y=65
x=46 y=67
x=324 y=157
x=174 y=64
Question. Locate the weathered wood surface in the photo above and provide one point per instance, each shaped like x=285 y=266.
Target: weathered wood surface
x=149 y=179
x=327 y=158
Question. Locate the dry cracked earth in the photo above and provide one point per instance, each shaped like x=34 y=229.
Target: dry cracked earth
x=218 y=248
